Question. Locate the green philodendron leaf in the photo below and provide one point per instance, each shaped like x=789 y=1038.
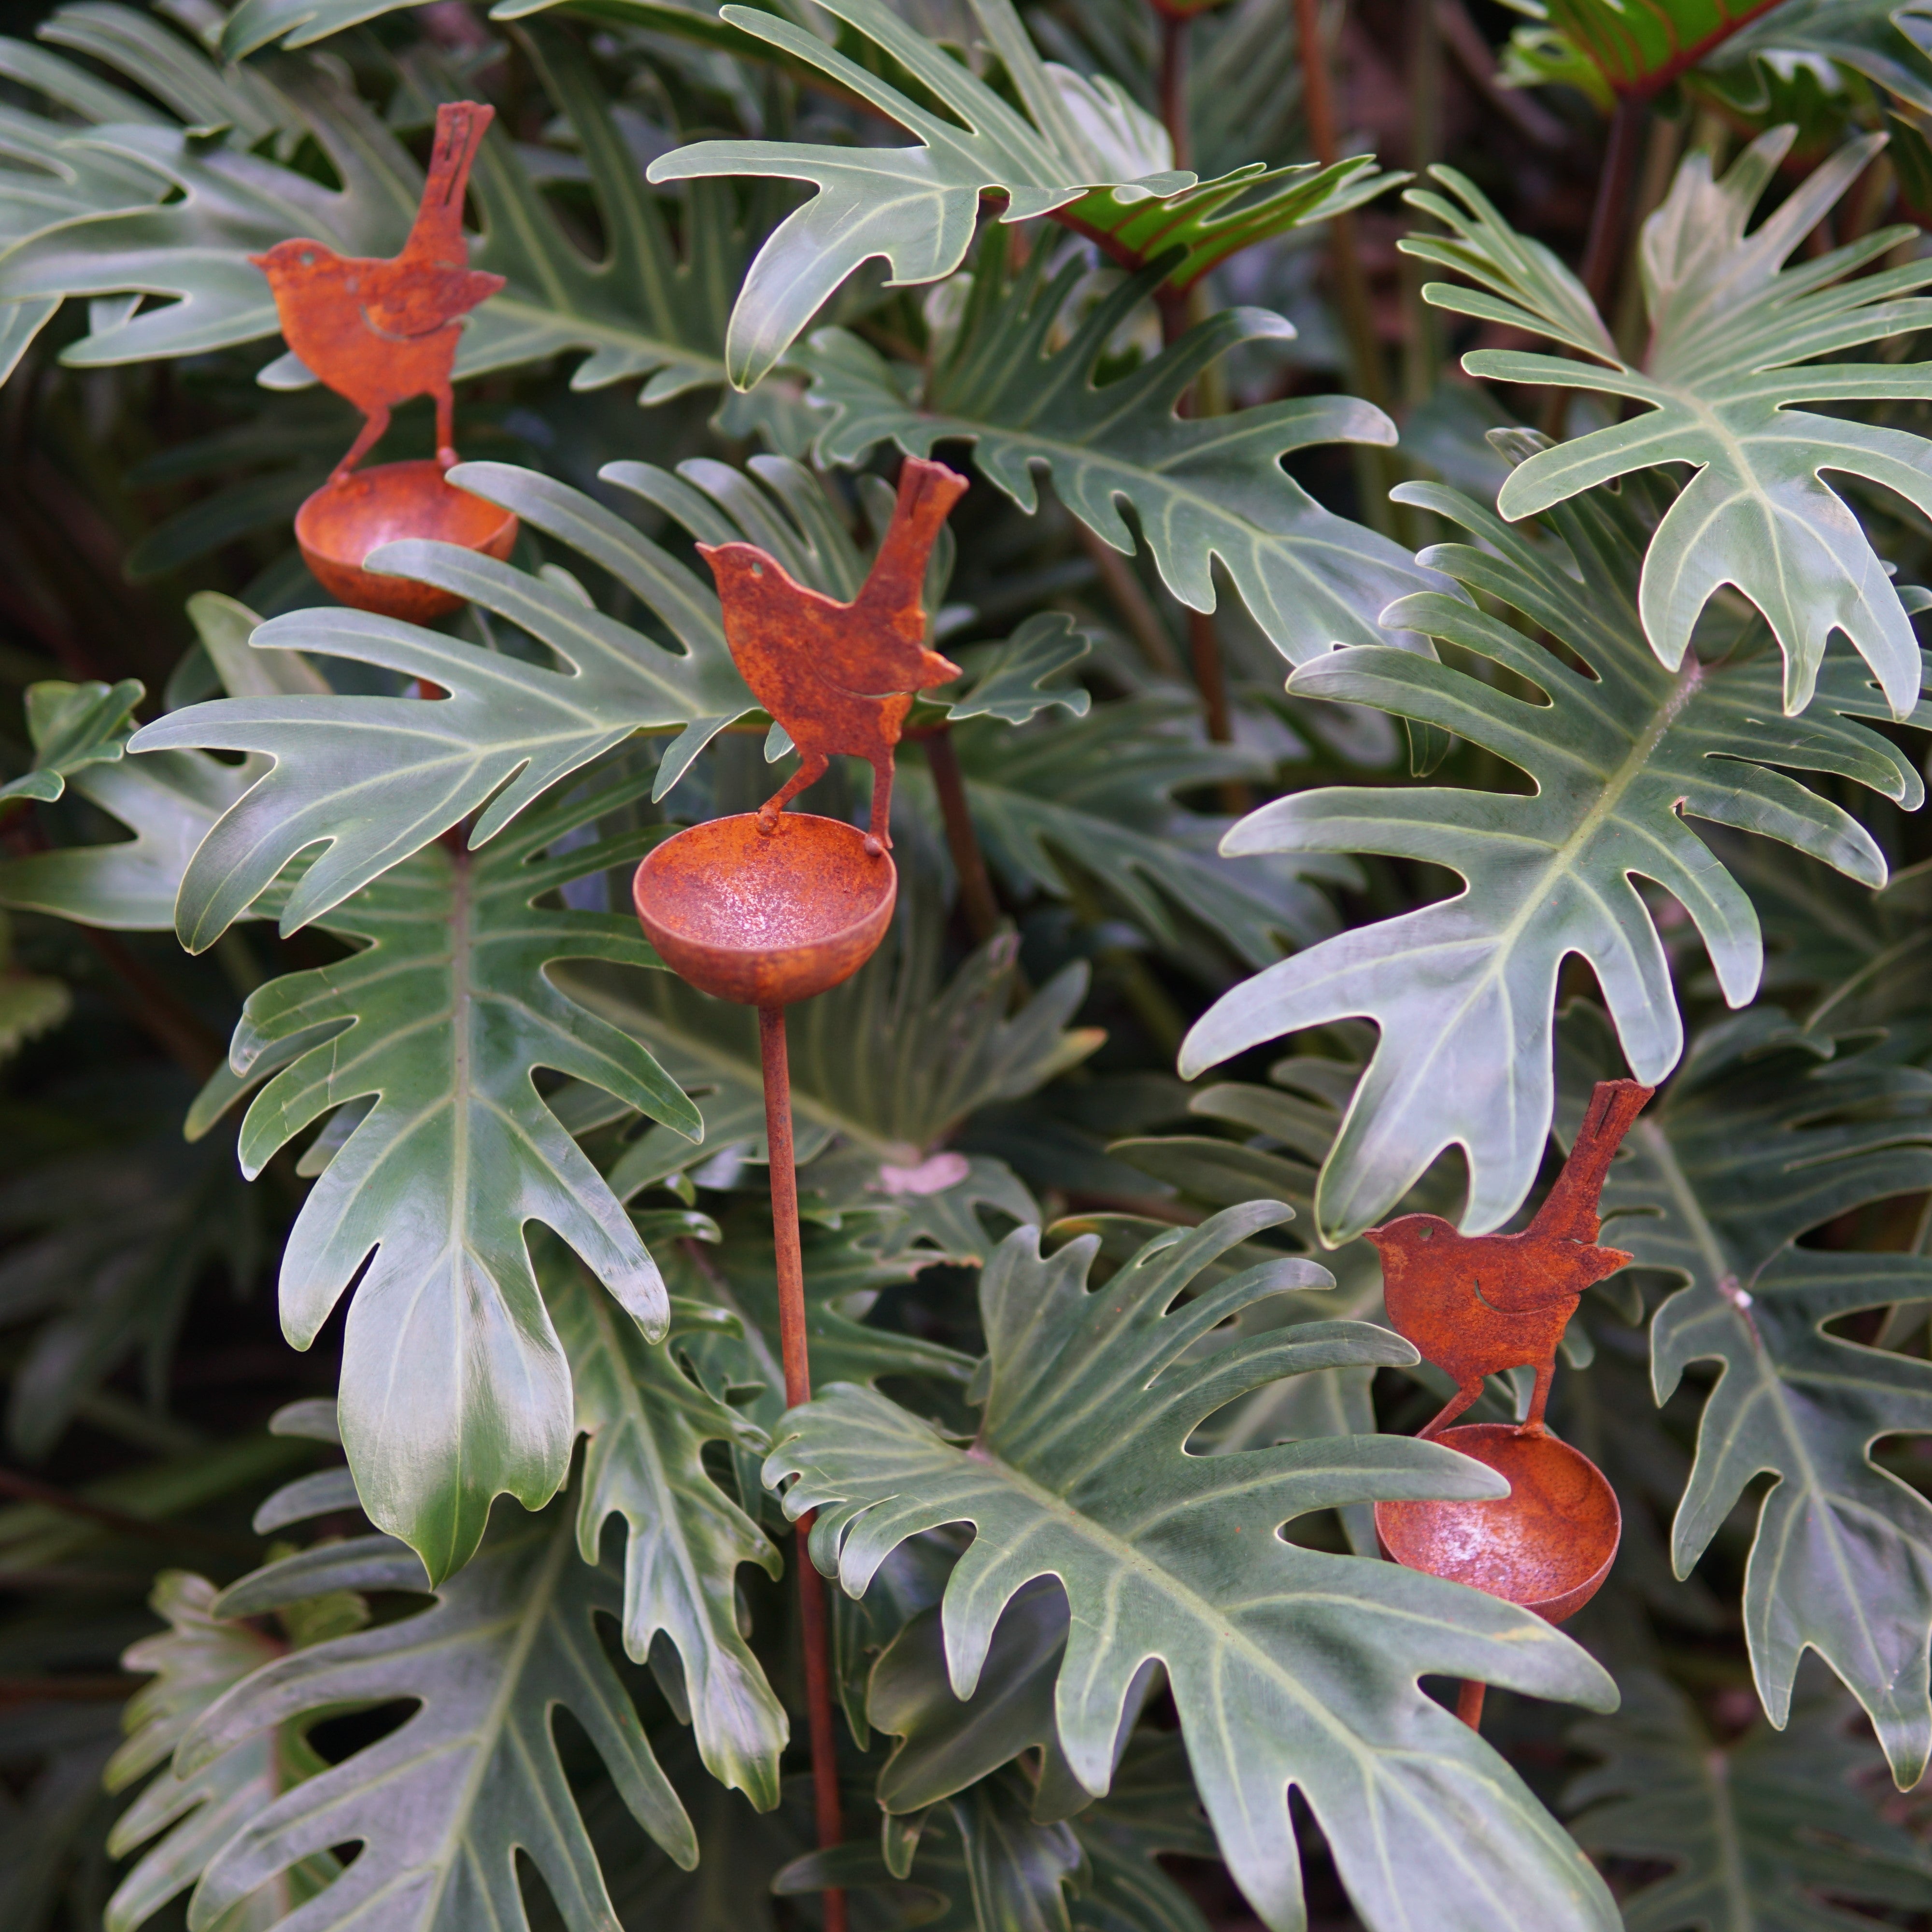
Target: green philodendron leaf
x=1888 y=44
x=199 y=1658
x=1069 y=801
x=844 y=1273
x=892 y=1061
x=443 y=1806
x=1287 y=1666
x=917 y=207
x=1622 y=753
x=73 y=726
x=647 y=1423
x=372 y=780
x=1762 y=1137
x=1018 y=679
x=1733 y=337
x=1082 y=149
x=455 y=1388
x=1764 y=1831
x=141 y=203
x=1631 y=48
x=1202 y=490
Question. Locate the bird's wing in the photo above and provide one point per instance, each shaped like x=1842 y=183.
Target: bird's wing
x=414 y=301
x=1516 y=1277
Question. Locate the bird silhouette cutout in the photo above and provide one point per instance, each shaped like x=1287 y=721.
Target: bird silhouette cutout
x=1477 y=1304
x=840 y=677
x=379 y=332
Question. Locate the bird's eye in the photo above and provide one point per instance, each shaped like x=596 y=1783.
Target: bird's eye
x=758 y=570
x=308 y=258
x=1422 y=1233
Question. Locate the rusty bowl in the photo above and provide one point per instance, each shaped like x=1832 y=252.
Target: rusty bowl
x=344 y=521
x=1548 y=1545
x=766 y=919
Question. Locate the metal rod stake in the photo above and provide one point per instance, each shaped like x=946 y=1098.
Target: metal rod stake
x=1469 y=1703
x=813 y=1624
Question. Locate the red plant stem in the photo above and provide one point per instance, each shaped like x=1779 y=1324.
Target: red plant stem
x=792 y=1347
x=1351 y=285
x=30 y=1489
x=1469 y=1703
x=976 y=889
x=1604 y=249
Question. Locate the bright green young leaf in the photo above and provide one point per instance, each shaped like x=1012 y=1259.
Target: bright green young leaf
x=198 y=1659
x=1733 y=336
x=372 y=780
x=455 y=1388
x=1622 y=753
x=73 y=726
x=1765 y=1136
x=1287 y=1666
x=648 y=1423
x=1066 y=802
x=1201 y=490
x=1764 y=1832
x=442 y=1806
x=1627 y=47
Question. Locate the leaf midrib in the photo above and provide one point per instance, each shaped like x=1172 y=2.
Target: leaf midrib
x=540 y=1591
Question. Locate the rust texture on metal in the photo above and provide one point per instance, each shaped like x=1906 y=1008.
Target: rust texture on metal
x=1477 y=1304
x=379 y=333
x=343 y=521
x=766 y=919
x=840 y=677
x=1548 y=1545
x=814 y=1628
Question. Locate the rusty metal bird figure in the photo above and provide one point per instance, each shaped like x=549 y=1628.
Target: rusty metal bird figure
x=379 y=332
x=1478 y=1304
x=840 y=677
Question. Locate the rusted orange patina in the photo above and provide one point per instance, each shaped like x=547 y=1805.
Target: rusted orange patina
x=839 y=677
x=340 y=524
x=766 y=919
x=1476 y=1305
x=1548 y=1545
x=378 y=333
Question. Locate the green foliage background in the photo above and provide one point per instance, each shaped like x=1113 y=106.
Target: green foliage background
x=1437 y=610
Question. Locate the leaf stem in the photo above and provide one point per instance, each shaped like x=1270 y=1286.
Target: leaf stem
x=1351 y=286
x=976 y=888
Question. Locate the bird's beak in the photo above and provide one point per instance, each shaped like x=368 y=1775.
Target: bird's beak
x=260 y=261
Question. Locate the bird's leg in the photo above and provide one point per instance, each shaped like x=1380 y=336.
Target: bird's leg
x=374 y=426
x=1465 y=1393
x=1533 y=1423
x=812 y=767
x=879 y=836
x=445 y=428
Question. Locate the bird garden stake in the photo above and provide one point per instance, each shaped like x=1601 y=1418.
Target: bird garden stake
x=1476 y=1305
x=770 y=907
x=379 y=332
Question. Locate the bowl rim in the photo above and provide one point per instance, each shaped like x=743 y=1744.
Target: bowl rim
x=309 y=539
x=1575 y=1595
x=828 y=937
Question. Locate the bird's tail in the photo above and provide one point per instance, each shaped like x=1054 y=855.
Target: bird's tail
x=1570 y=1213
x=438 y=233
x=927 y=493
